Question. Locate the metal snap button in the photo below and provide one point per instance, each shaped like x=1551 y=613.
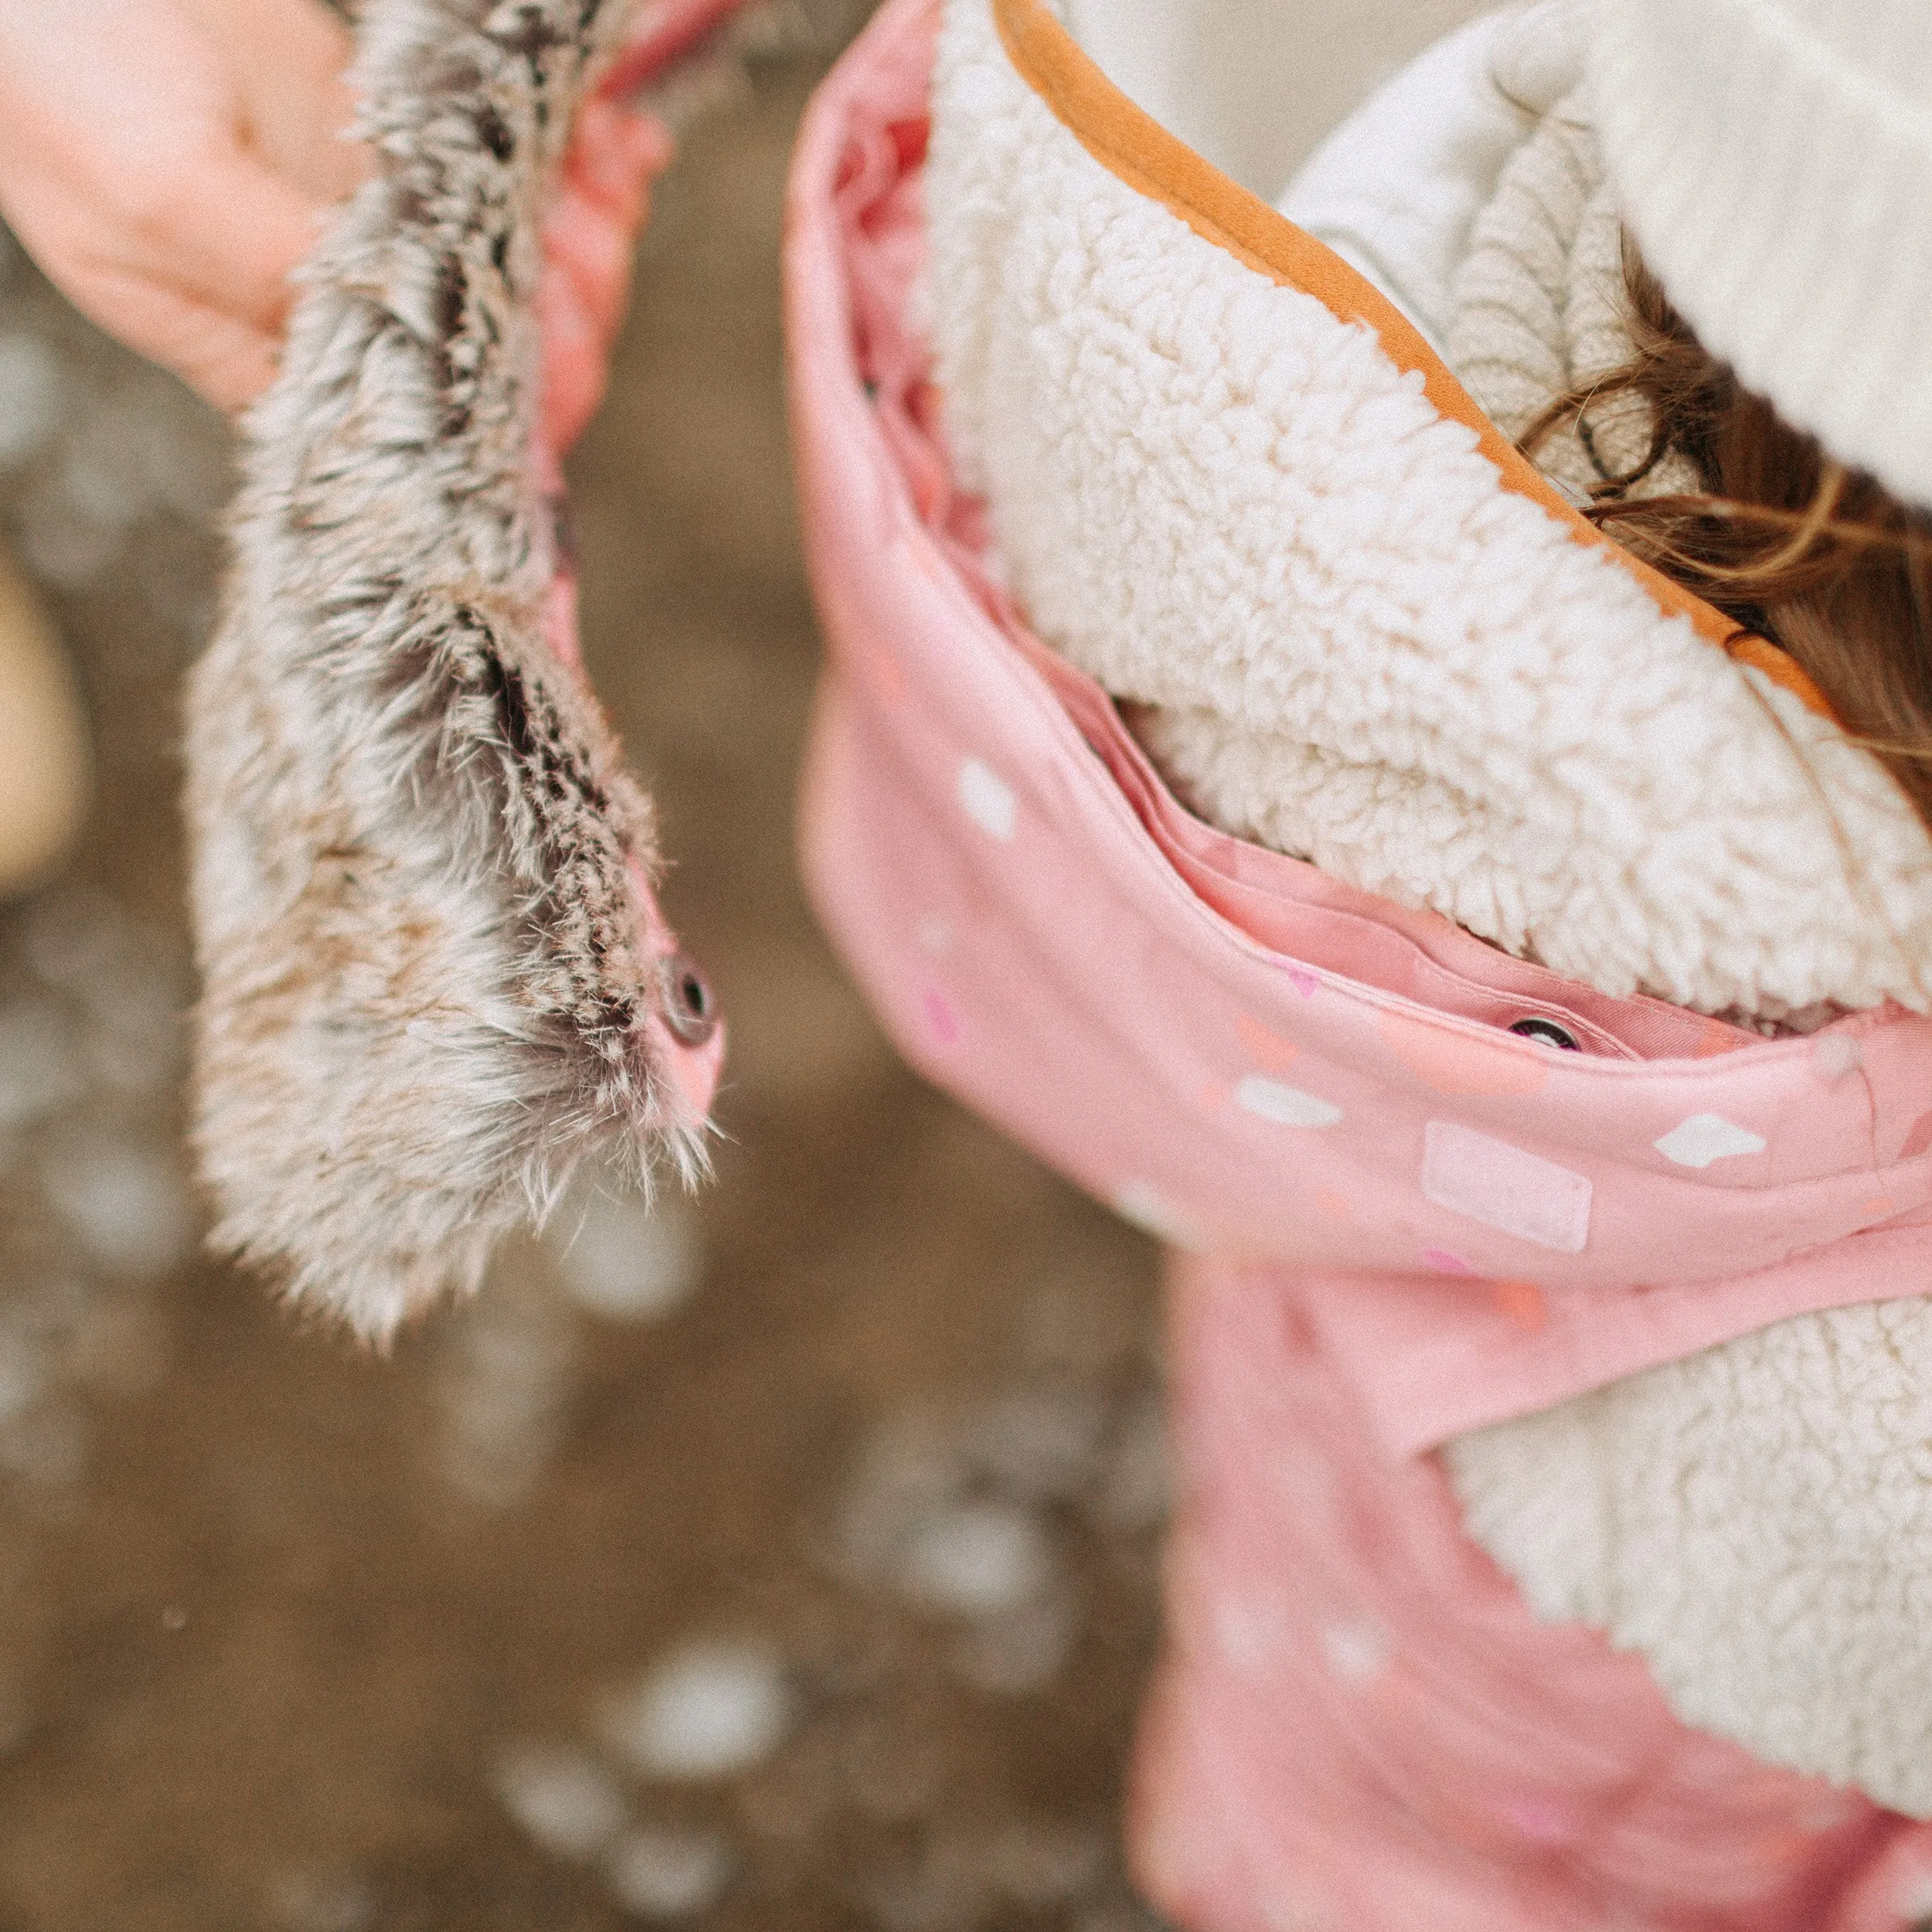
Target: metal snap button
x=689 y=1010
x=1536 y=1027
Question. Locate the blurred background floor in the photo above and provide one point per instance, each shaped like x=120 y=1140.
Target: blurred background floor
x=786 y=1561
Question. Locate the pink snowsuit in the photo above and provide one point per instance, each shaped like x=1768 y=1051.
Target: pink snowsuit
x=1395 y=1220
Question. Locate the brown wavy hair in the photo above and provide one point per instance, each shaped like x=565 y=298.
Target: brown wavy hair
x=1788 y=543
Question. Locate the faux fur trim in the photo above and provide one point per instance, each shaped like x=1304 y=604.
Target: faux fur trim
x=420 y=871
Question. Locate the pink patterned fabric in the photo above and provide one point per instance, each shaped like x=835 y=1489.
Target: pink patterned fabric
x=1360 y=1727
x=1411 y=1222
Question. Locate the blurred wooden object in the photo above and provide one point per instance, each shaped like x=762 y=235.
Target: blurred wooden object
x=44 y=778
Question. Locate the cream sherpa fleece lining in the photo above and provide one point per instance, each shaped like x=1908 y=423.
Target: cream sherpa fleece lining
x=1757 y=1523
x=1225 y=505
x=1192 y=478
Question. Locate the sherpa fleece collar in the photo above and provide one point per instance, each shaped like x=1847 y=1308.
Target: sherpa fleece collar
x=1228 y=480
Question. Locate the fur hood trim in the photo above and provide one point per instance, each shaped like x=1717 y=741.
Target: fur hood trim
x=435 y=975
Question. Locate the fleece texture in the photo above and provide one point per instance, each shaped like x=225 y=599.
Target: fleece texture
x=1352 y=643
x=420 y=874
x=1346 y=641
x=1757 y=1523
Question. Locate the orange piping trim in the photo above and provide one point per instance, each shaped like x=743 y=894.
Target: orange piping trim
x=1133 y=146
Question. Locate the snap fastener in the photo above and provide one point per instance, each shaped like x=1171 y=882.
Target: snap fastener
x=1536 y=1027
x=689 y=1010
